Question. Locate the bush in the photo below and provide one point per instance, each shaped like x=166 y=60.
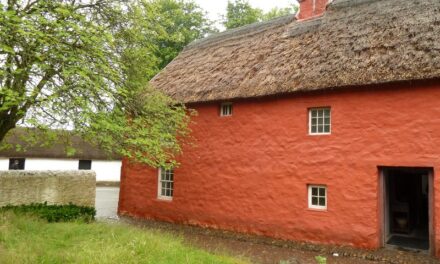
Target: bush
x=54 y=213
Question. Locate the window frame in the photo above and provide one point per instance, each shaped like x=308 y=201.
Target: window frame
x=20 y=161
x=82 y=161
x=159 y=185
x=310 y=111
x=223 y=105
x=310 y=196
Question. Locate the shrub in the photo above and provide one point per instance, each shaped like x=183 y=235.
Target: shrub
x=54 y=213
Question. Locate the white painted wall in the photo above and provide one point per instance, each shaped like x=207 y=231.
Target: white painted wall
x=50 y=164
x=106 y=170
x=4 y=164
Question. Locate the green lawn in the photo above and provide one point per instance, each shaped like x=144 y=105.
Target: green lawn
x=25 y=239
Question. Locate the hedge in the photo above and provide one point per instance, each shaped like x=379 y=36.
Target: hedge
x=54 y=213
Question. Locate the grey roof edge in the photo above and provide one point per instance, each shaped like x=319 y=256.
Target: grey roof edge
x=336 y=4
x=306 y=26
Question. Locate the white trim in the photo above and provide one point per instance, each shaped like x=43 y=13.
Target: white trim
x=222 y=106
x=159 y=187
x=314 y=206
x=310 y=110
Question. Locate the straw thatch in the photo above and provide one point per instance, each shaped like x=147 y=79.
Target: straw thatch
x=57 y=150
x=356 y=42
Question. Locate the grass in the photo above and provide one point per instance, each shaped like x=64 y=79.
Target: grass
x=27 y=239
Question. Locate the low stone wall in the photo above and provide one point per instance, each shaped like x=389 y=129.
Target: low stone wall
x=53 y=187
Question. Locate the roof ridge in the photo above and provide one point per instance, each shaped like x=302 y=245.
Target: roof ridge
x=242 y=31
x=349 y=3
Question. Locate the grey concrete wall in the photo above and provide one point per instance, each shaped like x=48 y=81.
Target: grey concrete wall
x=53 y=187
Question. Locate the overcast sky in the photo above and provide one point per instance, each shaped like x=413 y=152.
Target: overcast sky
x=217 y=8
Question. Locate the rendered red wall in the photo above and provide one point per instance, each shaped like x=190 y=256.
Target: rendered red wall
x=250 y=172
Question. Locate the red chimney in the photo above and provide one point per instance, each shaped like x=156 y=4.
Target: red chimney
x=311 y=8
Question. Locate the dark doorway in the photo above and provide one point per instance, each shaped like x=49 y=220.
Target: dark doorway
x=407 y=205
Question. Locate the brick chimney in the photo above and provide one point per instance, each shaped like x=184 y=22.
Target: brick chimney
x=311 y=8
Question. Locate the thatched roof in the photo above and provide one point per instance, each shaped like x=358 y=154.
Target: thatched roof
x=356 y=42
x=57 y=150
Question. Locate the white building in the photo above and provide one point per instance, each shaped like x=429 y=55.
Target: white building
x=86 y=157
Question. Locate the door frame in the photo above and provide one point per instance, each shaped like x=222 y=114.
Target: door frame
x=383 y=205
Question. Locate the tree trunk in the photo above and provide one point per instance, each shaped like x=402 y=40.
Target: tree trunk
x=5 y=127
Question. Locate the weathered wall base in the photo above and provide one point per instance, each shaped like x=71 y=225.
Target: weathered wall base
x=53 y=187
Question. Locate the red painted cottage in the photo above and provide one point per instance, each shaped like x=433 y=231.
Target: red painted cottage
x=322 y=128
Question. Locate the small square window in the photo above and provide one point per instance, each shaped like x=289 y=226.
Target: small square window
x=320 y=121
x=16 y=163
x=226 y=109
x=317 y=197
x=85 y=165
x=165 y=184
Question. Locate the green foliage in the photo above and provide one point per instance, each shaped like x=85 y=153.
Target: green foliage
x=321 y=260
x=157 y=31
x=278 y=12
x=54 y=213
x=28 y=240
x=153 y=140
x=86 y=65
x=241 y=12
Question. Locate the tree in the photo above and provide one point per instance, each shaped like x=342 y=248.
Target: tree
x=241 y=12
x=86 y=65
x=278 y=12
x=161 y=29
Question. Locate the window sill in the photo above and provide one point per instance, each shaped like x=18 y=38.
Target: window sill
x=324 y=210
x=317 y=135
x=164 y=199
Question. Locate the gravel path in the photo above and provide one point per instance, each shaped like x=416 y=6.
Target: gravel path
x=106 y=202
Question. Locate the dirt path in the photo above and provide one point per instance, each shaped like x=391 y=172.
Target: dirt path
x=264 y=250
x=262 y=253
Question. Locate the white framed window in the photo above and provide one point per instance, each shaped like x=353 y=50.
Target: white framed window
x=317 y=197
x=320 y=121
x=165 y=184
x=226 y=109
